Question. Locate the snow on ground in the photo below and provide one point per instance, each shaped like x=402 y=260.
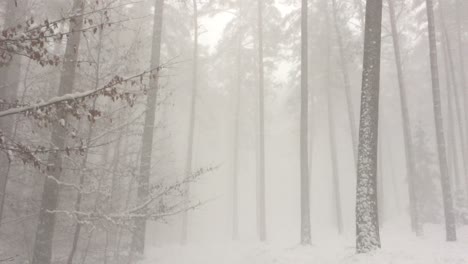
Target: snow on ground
x=396 y=249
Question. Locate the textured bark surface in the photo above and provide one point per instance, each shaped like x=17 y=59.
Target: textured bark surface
x=367 y=219
x=305 y=188
x=450 y=227
x=42 y=252
x=138 y=239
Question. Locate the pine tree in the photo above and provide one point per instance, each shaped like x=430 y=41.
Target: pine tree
x=450 y=227
x=305 y=188
x=138 y=238
x=193 y=103
x=42 y=252
x=407 y=136
x=367 y=218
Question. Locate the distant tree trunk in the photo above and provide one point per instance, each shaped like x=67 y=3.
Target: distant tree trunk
x=76 y=235
x=193 y=101
x=407 y=136
x=311 y=103
x=367 y=217
x=9 y=78
x=332 y=132
x=450 y=226
x=464 y=89
x=347 y=84
x=394 y=180
x=453 y=102
x=452 y=152
x=138 y=238
x=261 y=220
x=42 y=252
x=305 y=188
x=235 y=155
x=334 y=161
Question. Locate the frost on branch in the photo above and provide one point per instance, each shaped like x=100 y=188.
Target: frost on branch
x=76 y=105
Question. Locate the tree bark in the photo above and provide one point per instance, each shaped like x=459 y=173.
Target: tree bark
x=451 y=234
x=42 y=252
x=367 y=218
x=138 y=238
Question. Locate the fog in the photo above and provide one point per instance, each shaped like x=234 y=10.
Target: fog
x=233 y=131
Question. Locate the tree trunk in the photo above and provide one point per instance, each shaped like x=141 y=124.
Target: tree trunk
x=138 y=238
x=346 y=82
x=452 y=152
x=42 y=252
x=9 y=76
x=367 y=218
x=189 y=161
x=236 y=119
x=450 y=227
x=76 y=235
x=380 y=175
x=261 y=220
x=407 y=135
x=464 y=87
x=464 y=90
x=453 y=102
x=305 y=188
x=331 y=127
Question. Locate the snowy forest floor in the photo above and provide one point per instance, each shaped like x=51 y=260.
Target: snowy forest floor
x=397 y=248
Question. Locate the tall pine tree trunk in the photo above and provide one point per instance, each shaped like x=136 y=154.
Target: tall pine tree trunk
x=305 y=188
x=346 y=81
x=191 y=134
x=367 y=218
x=236 y=119
x=452 y=151
x=332 y=130
x=453 y=102
x=450 y=226
x=42 y=252
x=261 y=218
x=380 y=174
x=407 y=136
x=461 y=55
x=138 y=238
